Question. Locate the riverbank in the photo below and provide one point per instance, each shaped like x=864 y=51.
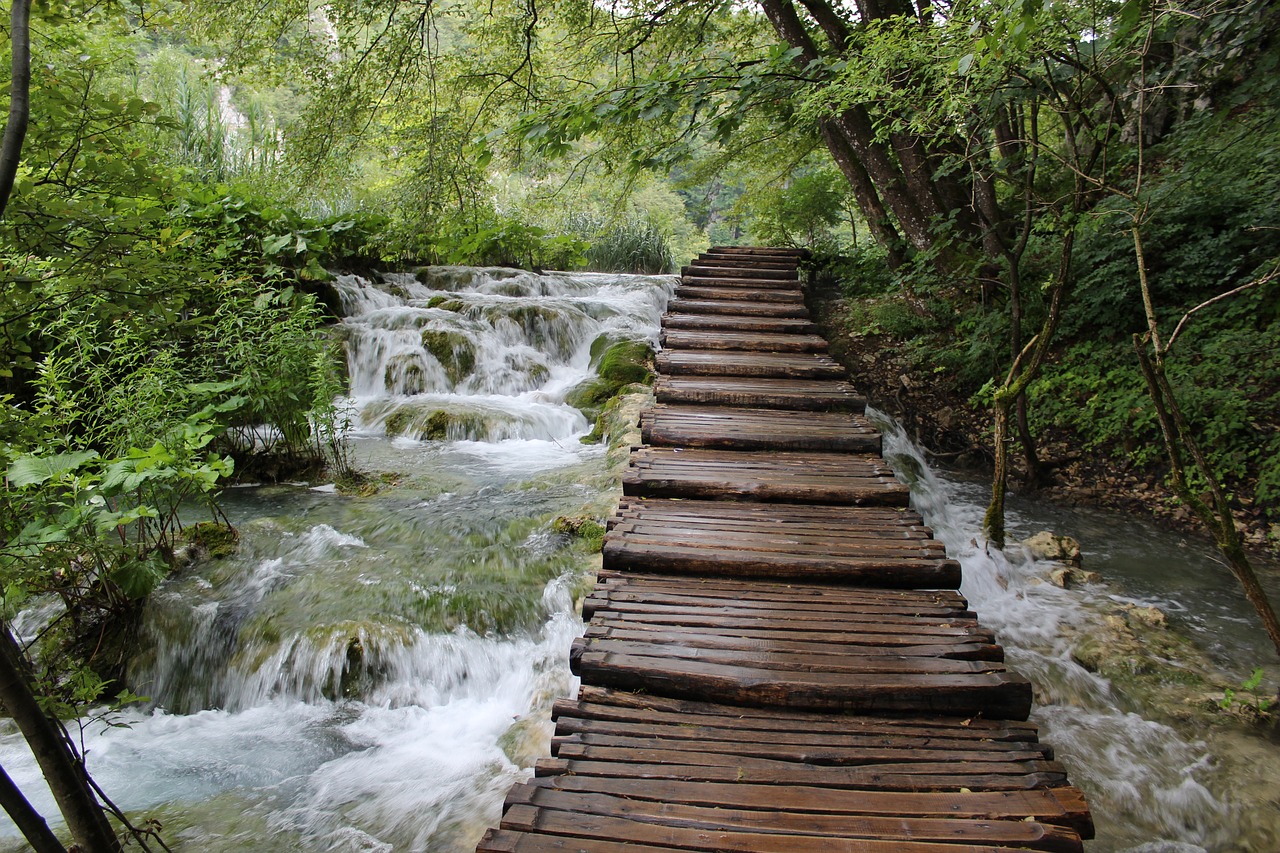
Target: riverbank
x=957 y=433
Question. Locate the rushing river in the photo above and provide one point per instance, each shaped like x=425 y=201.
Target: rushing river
x=372 y=673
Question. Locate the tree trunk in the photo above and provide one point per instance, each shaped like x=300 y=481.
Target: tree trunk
x=27 y=819
x=15 y=129
x=993 y=520
x=54 y=753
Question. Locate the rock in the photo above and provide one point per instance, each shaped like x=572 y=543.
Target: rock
x=1050 y=546
x=1069 y=577
x=1152 y=617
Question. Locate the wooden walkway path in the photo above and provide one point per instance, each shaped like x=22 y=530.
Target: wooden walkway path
x=776 y=657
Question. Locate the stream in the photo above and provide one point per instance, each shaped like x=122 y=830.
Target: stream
x=372 y=673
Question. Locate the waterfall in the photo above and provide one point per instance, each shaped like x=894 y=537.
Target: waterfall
x=373 y=673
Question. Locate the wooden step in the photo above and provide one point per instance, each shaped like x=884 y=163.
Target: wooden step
x=822 y=395
x=703 y=339
x=706 y=291
x=748 y=287
x=845 y=479
x=744 y=309
x=713 y=270
x=710 y=322
x=757 y=429
x=765 y=365
x=887 y=548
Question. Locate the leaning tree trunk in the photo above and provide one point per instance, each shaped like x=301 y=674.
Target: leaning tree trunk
x=54 y=753
x=15 y=129
x=29 y=821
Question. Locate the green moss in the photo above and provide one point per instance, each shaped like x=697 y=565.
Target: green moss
x=590 y=531
x=216 y=540
x=618 y=364
x=405 y=374
x=455 y=352
x=436 y=426
x=446 y=303
x=627 y=362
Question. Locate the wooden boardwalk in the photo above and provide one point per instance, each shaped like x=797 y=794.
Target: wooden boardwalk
x=776 y=657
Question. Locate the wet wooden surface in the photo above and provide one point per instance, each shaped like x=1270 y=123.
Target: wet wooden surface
x=776 y=657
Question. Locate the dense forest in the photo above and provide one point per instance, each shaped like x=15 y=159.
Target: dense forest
x=1064 y=212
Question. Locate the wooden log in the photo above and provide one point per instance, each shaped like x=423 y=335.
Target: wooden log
x=702 y=339
x=842 y=479
x=1056 y=806
x=595 y=827
x=1000 y=695
x=760 y=393
x=712 y=322
x=711 y=289
x=757 y=429
x=710 y=269
x=1030 y=835
x=599 y=699
x=737 y=308
x=722 y=749
x=945 y=779
x=744 y=288
x=729 y=731
x=804 y=365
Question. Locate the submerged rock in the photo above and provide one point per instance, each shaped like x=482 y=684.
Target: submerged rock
x=1050 y=546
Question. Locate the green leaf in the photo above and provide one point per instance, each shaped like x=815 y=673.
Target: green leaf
x=31 y=470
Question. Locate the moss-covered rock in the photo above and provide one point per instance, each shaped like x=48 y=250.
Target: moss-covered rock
x=585 y=528
x=404 y=374
x=446 y=303
x=618 y=363
x=454 y=350
x=627 y=362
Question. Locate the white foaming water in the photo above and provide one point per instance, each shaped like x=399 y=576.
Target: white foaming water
x=1142 y=779
x=486 y=354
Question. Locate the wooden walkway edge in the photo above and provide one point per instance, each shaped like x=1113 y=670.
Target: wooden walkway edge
x=777 y=657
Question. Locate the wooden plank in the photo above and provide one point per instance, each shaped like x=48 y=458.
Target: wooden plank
x=770 y=365
x=1057 y=806
x=1031 y=835
x=757 y=429
x=844 y=479
x=780 y=325
x=712 y=289
x=741 y=288
x=727 y=729
x=761 y=393
x=943 y=778
x=712 y=269
x=723 y=259
x=703 y=339
x=593 y=827
x=997 y=694
x=735 y=307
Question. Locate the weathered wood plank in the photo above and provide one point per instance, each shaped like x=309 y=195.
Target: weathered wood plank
x=735 y=307
x=785 y=365
x=728 y=322
x=712 y=289
x=592 y=827
x=755 y=269
x=760 y=393
x=702 y=339
x=946 y=778
x=757 y=429
x=1055 y=806
x=762 y=476
x=999 y=694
